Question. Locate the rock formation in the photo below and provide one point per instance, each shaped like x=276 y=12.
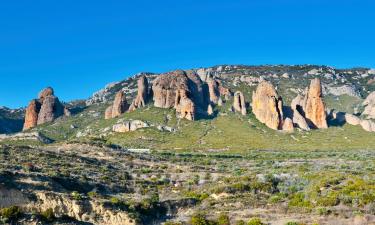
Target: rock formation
x=45 y=109
x=314 y=108
x=267 y=105
x=185 y=107
x=31 y=116
x=214 y=92
x=298 y=118
x=239 y=104
x=142 y=95
x=119 y=106
x=288 y=125
x=210 y=111
x=352 y=119
x=129 y=126
x=369 y=104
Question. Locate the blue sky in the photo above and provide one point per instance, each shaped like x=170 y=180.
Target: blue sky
x=78 y=46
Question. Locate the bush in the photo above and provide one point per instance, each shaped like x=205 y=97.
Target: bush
x=199 y=219
x=255 y=221
x=10 y=213
x=240 y=222
x=48 y=215
x=223 y=219
x=76 y=196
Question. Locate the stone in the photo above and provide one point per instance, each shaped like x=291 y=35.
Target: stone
x=210 y=111
x=298 y=118
x=352 y=119
x=128 y=126
x=108 y=113
x=225 y=92
x=50 y=110
x=213 y=89
x=239 y=104
x=288 y=125
x=31 y=115
x=119 y=104
x=165 y=87
x=185 y=107
x=45 y=109
x=314 y=107
x=142 y=94
x=369 y=104
x=220 y=102
x=368 y=125
x=267 y=105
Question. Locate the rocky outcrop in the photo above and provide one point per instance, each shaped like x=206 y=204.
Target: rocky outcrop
x=127 y=126
x=352 y=119
x=239 y=104
x=369 y=104
x=298 y=118
x=27 y=136
x=210 y=111
x=142 y=95
x=85 y=210
x=314 y=107
x=213 y=89
x=45 y=109
x=368 y=125
x=288 y=125
x=225 y=92
x=267 y=105
x=31 y=115
x=185 y=107
x=118 y=107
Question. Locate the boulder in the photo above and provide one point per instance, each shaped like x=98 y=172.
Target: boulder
x=129 y=126
x=314 y=107
x=369 y=104
x=288 y=125
x=368 y=125
x=267 y=105
x=31 y=115
x=142 y=95
x=108 y=113
x=239 y=104
x=210 y=111
x=352 y=119
x=185 y=107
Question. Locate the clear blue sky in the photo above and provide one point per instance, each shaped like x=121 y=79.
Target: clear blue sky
x=78 y=46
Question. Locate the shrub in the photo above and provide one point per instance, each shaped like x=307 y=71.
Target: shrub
x=48 y=215
x=76 y=196
x=199 y=219
x=10 y=213
x=223 y=219
x=255 y=221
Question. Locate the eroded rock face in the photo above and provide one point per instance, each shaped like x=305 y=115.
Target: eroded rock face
x=118 y=107
x=142 y=95
x=185 y=107
x=239 y=104
x=213 y=89
x=50 y=110
x=31 y=116
x=45 y=109
x=288 y=125
x=314 y=107
x=267 y=105
x=352 y=119
x=369 y=104
x=298 y=118
x=165 y=87
x=210 y=111
x=129 y=126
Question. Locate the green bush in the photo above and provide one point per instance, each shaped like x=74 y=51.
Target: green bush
x=223 y=219
x=10 y=213
x=255 y=221
x=199 y=219
x=48 y=215
x=76 y=196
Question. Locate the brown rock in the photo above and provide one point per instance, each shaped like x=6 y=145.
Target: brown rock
x=31 y=116
x=225 y=92
x=213 y=89
x=119 y=104
x=368 y=125
x=185 y=107
x=45 y=93
x=142 y=95
x=239 y=104
x=288 y=125
x=352 y=119
x=298 y=118
x=108 y=113
x=314 y=107
x=165 y=87
x=50 y=110
x=267 y=105
x=129 y=126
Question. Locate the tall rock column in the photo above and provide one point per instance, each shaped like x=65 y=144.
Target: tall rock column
x=185 y=107
x=118 y=107
x=267 y=105
x=314 y=106
x=213 y=89
x=142 y=95
x=239 y=104
x=31 y=116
